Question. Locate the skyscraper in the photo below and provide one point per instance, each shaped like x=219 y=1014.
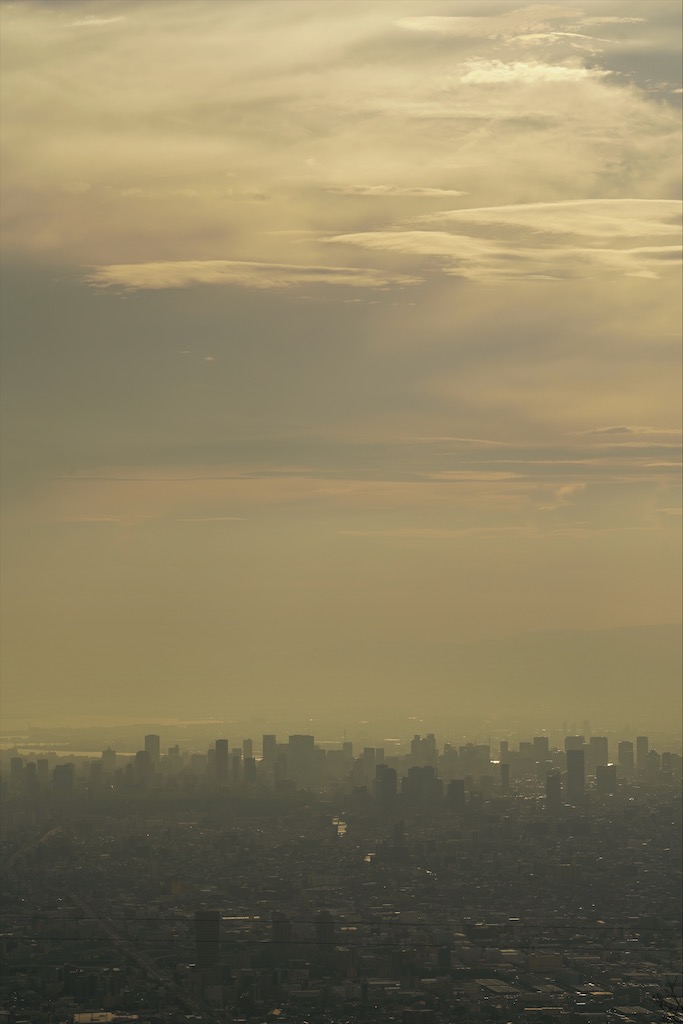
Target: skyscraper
x=576 y=776
x=625 y=756
x=222 y=764
x=269 y=750
x=642 y=748
x=541 y=747
x=385 y=786
x=153 y=748
x=598 y=751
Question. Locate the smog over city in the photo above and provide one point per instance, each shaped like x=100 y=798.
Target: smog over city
x=341 y=511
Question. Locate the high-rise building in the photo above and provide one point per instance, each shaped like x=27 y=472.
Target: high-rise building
x=642 y=748
x=541 y=748
x=109 y=761
x=247 y=748
x=269 y=750
x=250 y=770
x=43 y=771
x=385 y=786
x=153 y=748
x=221 y=762
x=573 y=742
x=576 y=776
x=625 y=756
x=301 y=761
x=16 y=771
x=598 y=751
x=207 y=937
x=143 y=767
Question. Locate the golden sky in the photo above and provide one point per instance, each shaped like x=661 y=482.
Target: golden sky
x=335 y=335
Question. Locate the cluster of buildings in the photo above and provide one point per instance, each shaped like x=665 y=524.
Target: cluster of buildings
x=423 y=773
x=329 y=886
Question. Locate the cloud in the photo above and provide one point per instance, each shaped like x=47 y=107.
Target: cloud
x=631 y=430
x=212 y=519
x=184 y=273
x=534 y=18
x=96 y=22
x=393 y=190
x=496 y=72
x=539 y=240
x=590 y=218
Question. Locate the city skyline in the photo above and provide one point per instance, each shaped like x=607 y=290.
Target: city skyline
x=341 y=359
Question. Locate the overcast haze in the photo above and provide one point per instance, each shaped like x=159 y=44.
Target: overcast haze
x=337 y=336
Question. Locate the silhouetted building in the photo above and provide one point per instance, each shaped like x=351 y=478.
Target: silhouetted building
x=269 y=750
x=247 y=749
x=598 y=751
x=573 y=742
x=642 y=748
x=222 y=762
x=16 y=771
x=109 y=761
x=541 y=747
x=43 y=771
x=153 y=748
x=576 y=776
x=301 y=761
x=421 y=784
x=385 y=786
x=625 y=756
x=143 y=767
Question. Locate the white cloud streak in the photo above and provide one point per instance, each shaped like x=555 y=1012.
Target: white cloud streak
x=184 y=273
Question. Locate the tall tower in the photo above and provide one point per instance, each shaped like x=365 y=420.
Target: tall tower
x=642 y=748
x=221 y=762
x=576 y=776
x=598 y=749
x=626 y=762
x=153 y=748
x=269 y=750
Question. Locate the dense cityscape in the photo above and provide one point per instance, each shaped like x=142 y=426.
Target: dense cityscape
x=297 y=881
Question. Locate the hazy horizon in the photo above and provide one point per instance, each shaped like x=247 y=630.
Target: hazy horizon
x=341 y=359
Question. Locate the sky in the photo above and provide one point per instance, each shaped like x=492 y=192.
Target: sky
x=338 y=339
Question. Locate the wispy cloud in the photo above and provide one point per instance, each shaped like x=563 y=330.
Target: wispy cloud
x=557 y=240
x=394 y=190
x=184 y=273
x=497 y=72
